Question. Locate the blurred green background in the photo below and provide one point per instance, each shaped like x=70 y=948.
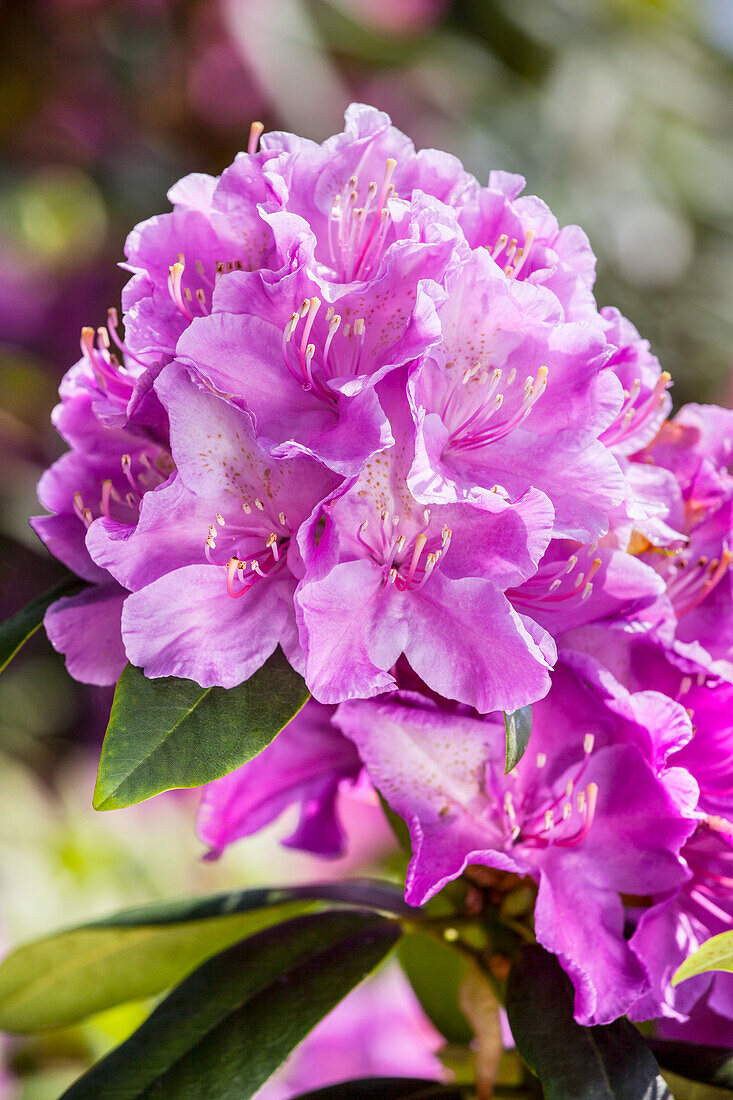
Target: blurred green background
x=618 y=112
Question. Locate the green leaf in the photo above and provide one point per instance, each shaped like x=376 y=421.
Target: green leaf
x=171 y=733
x=684 y=1089
x=387 y=1088
x=714 y=954
x=16 y=631
x=436 y=973
x=141 y=952
x=610 y=1062
x=702 y=1064
x=397 y=824
x=231 y=1023
x=518 y=726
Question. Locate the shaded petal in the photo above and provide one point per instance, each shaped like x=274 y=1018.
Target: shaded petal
x=86 y=629
x=64 y=536
x=304 y=764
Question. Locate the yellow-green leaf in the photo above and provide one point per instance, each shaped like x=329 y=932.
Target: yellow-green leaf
x=714 y=954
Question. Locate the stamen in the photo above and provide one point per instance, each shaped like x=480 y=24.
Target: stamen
x=499 y=246
x=523 y=253
x=477 y=431
x=332 y=330
x=420 y=541
x=271 y=544
x=591 y=793
x=126 y=462
x=378 y=222
x=255 y=133
x=106 y=494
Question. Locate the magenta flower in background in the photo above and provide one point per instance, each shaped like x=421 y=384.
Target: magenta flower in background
x=379 y=1030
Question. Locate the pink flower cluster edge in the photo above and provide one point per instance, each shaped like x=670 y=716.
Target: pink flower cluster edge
x=367 y=409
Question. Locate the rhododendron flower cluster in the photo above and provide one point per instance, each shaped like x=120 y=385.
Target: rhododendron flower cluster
x=366 y=409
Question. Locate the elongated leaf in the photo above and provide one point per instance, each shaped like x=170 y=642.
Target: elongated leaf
x=611 y=1062
x=436 y=973
x=16 y=631
x=231 y=1023
x=518 y=726
x=387 y=1088
x=714 y=954
x=702 y=1064
x=172 y=733
x=141 y=952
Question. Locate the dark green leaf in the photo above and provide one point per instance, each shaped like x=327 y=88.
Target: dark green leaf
x=171 y=733
x=231 y=1023
x=16 y=631
x=387 y=1088
x=611 y=1062
x=436 y=972
x=397 y=825
x=518 y=726
x=709 y=1065
x=141 y=952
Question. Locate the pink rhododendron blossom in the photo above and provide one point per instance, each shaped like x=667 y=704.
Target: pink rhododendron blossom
x=406 y=370
x=367 y=410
